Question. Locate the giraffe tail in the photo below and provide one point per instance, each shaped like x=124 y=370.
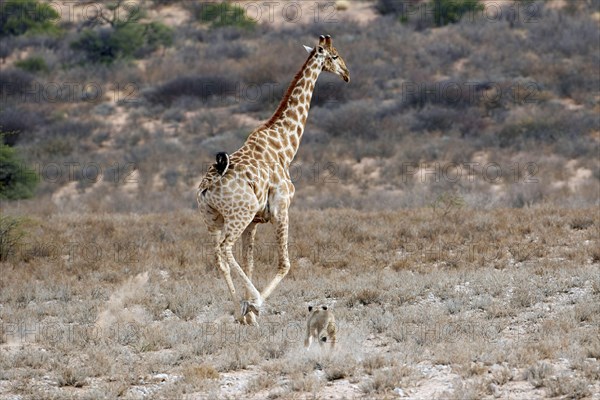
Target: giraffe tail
x=220 y=167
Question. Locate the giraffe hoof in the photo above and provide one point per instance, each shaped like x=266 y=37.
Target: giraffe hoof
x=248 y=319
x=248 y=307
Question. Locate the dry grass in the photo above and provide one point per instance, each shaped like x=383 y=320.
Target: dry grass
x=151 y=314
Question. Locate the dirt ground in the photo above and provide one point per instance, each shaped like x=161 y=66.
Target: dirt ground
x=462 y=305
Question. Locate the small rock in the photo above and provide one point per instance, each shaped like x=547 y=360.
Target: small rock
x=399 y=392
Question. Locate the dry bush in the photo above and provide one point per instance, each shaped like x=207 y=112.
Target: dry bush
x=466 y=391
x=300 y=382
x=70 y=376
x=387 y=379
x=572 y=388
x=194 y=373
x=202 y=87
x=539 y=374
x=261 y=382
x=364 y=296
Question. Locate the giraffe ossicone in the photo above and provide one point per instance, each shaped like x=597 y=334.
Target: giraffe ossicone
x=252 y=185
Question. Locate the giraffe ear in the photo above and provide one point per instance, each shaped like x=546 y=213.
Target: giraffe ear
x=308 y=49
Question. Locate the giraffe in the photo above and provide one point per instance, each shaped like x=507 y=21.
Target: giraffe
x=253 y=185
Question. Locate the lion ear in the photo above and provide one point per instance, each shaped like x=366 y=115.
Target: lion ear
x=324 y=307
x=310 y=308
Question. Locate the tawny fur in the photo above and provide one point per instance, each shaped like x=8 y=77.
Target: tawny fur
x=253 y=184
x=320 y=327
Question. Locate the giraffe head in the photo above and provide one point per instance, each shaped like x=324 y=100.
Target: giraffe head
x=329 y=57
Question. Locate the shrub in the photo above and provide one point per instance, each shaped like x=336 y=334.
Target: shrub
x=436 y=118
x=20 y=122
x=14 y=82
x=355 y=119
x=158 y=34
x=202 y=87
x=395 y=7
x=15 y=181
x=329 y=91
x=161 y=3
x=33 y=64
x=126 y=40
x=27 y=16
x=444 y=11
x=538 y=129
x=10 y=236
x=451 y=11
x=6 y=49
x=221 y=15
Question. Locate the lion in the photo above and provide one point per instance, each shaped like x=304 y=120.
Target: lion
x=320 y=326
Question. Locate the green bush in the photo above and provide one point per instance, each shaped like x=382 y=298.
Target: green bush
x=123 y=35
x=451 y=11
x=223 y=14
x=33 y=64
x=106 y=45
x=27 y=16
x=158 y=34
x=161 y=3
x=16 y=182
x=444 y=11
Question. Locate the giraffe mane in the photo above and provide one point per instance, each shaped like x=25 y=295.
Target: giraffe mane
x=282 y=104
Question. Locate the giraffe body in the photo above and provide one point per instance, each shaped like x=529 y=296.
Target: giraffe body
x=253 y=184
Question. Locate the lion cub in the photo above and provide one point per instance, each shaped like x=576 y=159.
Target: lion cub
x=321 y=326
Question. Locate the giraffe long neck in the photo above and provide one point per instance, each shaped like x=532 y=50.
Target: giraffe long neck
x=289 y=119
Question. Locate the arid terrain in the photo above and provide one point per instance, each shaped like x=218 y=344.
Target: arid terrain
x=467 y=304
x=446 y=208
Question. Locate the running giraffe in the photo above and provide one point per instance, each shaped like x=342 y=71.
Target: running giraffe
x=253 y=185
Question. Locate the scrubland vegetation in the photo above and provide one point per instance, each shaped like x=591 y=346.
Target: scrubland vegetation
x=477 y=304
x=446 y=200
x=516 y=95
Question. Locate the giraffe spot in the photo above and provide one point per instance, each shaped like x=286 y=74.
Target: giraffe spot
x=301 y=109
x=296 y=92
x=294 y=141
x=275 y=144
x=291 y=114
x=259 y=147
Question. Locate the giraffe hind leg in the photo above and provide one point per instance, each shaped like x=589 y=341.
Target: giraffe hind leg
x=223 y=265
x=232 y=231
x=248 y=251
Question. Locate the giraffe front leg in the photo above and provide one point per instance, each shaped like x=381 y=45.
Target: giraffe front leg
x=281 y=220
